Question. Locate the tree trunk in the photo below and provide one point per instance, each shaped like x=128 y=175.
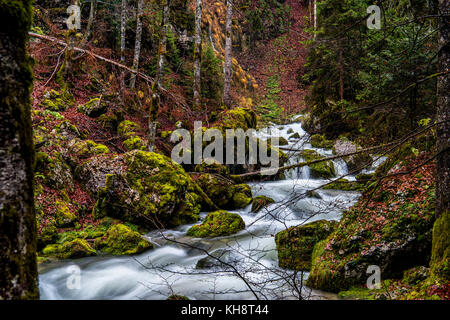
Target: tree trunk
x=67 y=66
x=440 y=252
x=90 y=23
x=122 y=42
x=228 y=54
x=18 y=268
x=197 y=53
x=156 y=88
x=315 y=17
x=341 y=71
x=137 y=44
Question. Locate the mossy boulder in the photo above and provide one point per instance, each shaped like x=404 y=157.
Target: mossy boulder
x=282 y=141
x=144 y=188
x=217 y=224
x=111 y=120
x=320 y=141
x=64 y=216
x=261 y=202
x=214 y=167
x=128 y=128
x=242 y=118
x=47 y=235
x=295 y=245
x=223 y=192
x=135 y=143
x=242 y=196
x=56 y=101
x=121 y=240
x=77 y=248
x=294 y=136
x=83 y=149
x=415 y=275
x=177 y=297
x=324 y=169
x=345 y=185
x=93 y=108
x=217 y=259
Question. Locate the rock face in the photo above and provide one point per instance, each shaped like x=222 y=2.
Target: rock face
x=323 y=169
x=121 y=240
x=295 y=245
x=141 y=187
x=356 y=162
x=216 y=224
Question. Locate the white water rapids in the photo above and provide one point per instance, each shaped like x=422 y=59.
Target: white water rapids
x=170 y=267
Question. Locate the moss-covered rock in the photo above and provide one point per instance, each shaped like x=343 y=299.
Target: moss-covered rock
x=47 y=235
x=93 y=108
x=144 y=188
x=415 y=275
x=64 y=216
x=294 y=136
x=216 y=224
x=128 y=128
x=214 y=168
x=135 y=143
x=242 y=118
x=295 y=245
x=261 y=202
x=282 y=141
x=345 y=185
x=324 y=169
x=177 y=297
x=242 y=196
x=56 y=101
x=111 y=120
x=77 y=248
x=121 y=240
x=320 y=141
x=83 y=149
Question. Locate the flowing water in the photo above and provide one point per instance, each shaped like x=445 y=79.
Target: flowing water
x=171 y=266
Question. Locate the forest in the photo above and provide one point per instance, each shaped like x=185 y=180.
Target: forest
x=224 y=150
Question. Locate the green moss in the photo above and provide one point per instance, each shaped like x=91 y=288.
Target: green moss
x=440 y=254
x=128 y=128
x=261 y=202
x=64 y=217
x=345 y=185
x=135 y=143
x=93 y=108
x=83 y=149
x=242 y=196
x=48 y=235
x=242 y=118
x=77 y=248
x=56 y=101
x=216 y=224
x=295 y=136
x=282 y=141
x=320 y=141
x=177 y=297
x=121 y=240
x=323 y=169
x=215 y=168
x=295 y=245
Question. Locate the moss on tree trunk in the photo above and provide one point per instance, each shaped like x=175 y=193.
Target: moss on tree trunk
x=18 y=269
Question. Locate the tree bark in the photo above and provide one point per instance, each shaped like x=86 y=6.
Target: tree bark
x=122 y=42
x=90 y=22
x=440 y=251
x=18 y=268
x=315 y=17
x=197 y=53
x=341 y=71
x=228 y=55
x=137 y=44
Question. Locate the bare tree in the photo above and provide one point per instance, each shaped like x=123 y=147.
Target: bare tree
x=18 y=268
x=88 y=32
x=228 y=54
x=197 y=53
x=137 y=45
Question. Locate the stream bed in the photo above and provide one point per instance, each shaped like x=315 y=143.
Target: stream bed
x=251 y=254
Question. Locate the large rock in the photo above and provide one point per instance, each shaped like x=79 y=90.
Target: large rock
x=324 y=169
x=216 y=224
x=141 y=187
x=77 y=248
x=356 y=162
x=121 y=240
x=295 y=245
x=261 y=202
